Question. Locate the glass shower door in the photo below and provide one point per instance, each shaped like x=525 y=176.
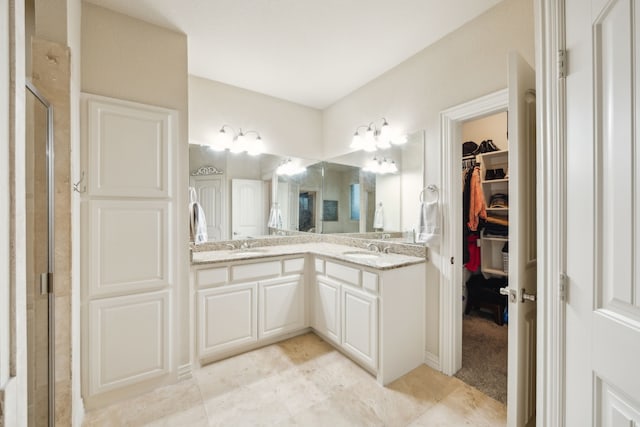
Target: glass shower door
x=39 y=238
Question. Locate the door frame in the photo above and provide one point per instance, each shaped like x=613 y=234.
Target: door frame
x=451 y=121
x=550 y=27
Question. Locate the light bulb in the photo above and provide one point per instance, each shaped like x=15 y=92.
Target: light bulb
x=385 y=131
x=357 y=143
x=369 y=135
x=239 y=145
x=256 y=147
x=222 y=140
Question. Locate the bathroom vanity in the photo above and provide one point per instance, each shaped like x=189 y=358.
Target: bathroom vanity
x=369 y=305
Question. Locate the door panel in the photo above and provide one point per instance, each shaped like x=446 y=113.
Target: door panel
x=247 y=208
x=129 y=250
x=129 y=153
x=521 y=375
x=210 y=192
x=226 y=318
x=603 y=195
x=129 y=340
x=327 y=309
x=281 y=306
x=360 y=325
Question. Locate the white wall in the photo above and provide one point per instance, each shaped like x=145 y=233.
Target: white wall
x=287 y=129
x=462 y=66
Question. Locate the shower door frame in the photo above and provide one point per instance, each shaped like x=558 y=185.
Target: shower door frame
x=46 y=283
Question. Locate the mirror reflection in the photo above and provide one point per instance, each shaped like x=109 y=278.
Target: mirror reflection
x=245 y=196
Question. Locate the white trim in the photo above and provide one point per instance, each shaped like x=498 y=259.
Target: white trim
x=451 y=274
x=551 y=168
x=432 y=360
x=184 y=372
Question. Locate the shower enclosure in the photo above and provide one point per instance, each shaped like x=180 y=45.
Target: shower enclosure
x=39 y=247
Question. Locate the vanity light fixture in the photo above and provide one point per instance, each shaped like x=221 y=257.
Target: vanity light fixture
x=238 y=142
x=381 y=167
x=374 y=138
x=289 y=168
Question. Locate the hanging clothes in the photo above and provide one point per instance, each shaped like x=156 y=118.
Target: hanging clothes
x=197 y=220
x=466 y=197
x=474 y=253
x=477 y=203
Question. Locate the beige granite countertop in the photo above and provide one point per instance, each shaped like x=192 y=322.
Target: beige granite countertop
x=329 y=250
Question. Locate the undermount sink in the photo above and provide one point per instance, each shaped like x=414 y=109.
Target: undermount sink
x=362 y=254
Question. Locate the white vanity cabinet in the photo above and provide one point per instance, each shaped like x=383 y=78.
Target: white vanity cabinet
x=374 y=316
x=243 y=304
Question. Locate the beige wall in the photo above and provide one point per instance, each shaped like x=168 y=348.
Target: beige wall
x=492 y=127
x=462 y=66
x=129 y=59
x=288 y=129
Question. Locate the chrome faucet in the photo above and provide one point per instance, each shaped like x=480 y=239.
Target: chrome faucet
x=385 y=236
x=373 y=247
x=386 y=249
x=230 y=245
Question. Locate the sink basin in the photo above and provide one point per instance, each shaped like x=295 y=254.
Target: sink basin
x=362 y=255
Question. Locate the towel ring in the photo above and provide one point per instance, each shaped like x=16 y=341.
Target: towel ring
x=432 y=190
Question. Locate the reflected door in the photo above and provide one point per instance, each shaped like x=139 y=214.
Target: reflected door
x=247 y=208
x=39 y=238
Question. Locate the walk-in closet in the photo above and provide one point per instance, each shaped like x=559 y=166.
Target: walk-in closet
x=485 y=224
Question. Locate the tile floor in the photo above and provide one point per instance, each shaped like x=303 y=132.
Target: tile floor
x=304 y=381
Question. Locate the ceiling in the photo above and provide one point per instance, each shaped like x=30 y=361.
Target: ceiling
x=309 y=52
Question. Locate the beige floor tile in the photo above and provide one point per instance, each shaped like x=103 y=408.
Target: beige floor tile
x=304 y=348
x=150 y=407
x=465 y=406
x=333 y=372
x=426 y=384
x=341 y=410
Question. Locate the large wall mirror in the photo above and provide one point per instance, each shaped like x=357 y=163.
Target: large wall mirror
x=239 y=192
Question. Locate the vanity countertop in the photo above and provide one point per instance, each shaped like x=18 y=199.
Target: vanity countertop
x=359 y=256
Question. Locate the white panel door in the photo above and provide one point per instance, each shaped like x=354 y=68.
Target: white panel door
x=521 y=374
x=129 y=149
x=227 y=318
x=128 y=246
x=281 y=306
x=603 y=213
x=247 y=208
x=360 y=325
x=128 y=236
x=128 y=343
x=327 y=308
x=210 y=192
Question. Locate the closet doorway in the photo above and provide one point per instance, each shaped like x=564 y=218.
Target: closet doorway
x=519 y=100
x=485 y=179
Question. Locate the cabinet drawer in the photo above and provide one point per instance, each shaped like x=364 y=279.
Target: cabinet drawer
x=212 y=277
x=342 y=272
x=370 y=281
x=293 y=265
x=255 y=271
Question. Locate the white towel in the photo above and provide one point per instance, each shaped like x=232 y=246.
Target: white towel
x=429 y=225
x=275 y=217
x=197 y=220
x=378 y=217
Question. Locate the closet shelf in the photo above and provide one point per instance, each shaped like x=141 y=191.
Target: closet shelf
x=491 y=181
x=498 y=210
x=495 y=239
x=494 y=271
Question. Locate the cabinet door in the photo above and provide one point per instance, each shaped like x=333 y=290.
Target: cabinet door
x=327 y=308
x=281 y=306
x=360 y=325
x=227 y=318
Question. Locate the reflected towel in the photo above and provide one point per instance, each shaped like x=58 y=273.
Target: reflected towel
x=197 y=220
x=429 y=224
x=275 y=217
x=378 y=217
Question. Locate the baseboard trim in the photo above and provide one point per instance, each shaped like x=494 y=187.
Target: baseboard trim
x=78 y=413
x=184 y=372
x=432 y=361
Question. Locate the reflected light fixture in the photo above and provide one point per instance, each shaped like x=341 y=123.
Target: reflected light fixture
x=381 y=167
x=374 y=138
x=238 y=142
x=289 y=168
